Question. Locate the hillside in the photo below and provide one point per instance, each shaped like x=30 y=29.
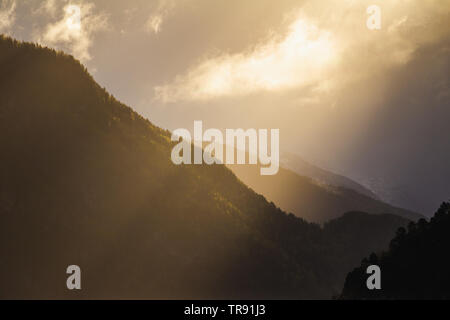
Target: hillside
x=85 y=180
x=310 y=200
x=415 y=266
x=355 y=233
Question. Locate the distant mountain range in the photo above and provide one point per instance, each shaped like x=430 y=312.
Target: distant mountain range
x=85 y=180
x=310 y=199
x=298 y=165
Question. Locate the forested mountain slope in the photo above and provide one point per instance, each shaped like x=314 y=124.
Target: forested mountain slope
x=85 y=180
x=416 y=266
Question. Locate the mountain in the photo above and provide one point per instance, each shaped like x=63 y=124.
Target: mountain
x=353 y=234
x=85 y=180
x=298 y=165
x=310 y=200
x=416 y=266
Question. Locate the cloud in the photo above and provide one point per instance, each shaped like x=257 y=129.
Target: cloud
x=326 y=47
x=48 y=7
x=159 y=14
x=7 y=15
x=154 y=23
x=74 y=32
x=281 y=62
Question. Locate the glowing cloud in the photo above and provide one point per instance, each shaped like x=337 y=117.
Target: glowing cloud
x=156 y=19
x=280 y=63
x=327 y=47
x=74 y=31
x=7 y=15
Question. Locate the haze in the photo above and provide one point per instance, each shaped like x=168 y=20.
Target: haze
x=370 y=104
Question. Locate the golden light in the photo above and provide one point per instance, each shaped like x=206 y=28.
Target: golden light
x=282 y=62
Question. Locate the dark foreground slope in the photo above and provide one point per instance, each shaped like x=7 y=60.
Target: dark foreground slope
x=311 y=200
x=84 y=180
x=415 y=267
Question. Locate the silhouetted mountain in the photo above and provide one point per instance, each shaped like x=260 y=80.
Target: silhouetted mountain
x=85 y=180
x=308 y=199
x=355 y=233
x=298 y=165
x=415 y=267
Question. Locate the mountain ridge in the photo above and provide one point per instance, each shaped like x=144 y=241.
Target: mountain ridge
x=85 y=180
x=310 y=200
x=300 y=166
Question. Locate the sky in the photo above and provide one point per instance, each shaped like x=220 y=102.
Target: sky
x=372 y=104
